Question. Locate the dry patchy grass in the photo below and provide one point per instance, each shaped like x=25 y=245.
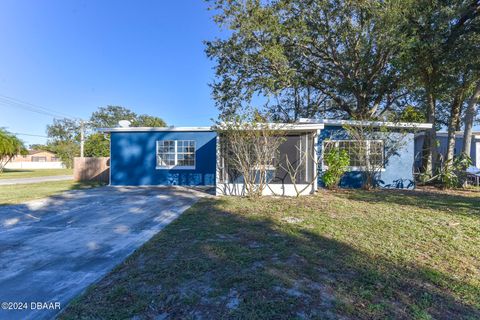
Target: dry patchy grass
x=347 y=254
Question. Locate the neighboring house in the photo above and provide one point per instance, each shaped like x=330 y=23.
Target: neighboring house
x=35 y=159
x=192 y=156
x=442 y=138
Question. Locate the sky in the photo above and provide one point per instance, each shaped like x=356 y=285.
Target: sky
x=73 y=56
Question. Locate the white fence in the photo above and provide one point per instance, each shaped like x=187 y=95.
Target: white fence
x=35 y=165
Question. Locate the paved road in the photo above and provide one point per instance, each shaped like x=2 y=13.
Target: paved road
x=5 y=182
x=52 y=249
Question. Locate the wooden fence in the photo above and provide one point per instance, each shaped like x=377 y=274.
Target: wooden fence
x=91 y=169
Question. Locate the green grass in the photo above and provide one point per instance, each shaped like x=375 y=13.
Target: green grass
x=351 y=254
x=33 y=173
x=12 y=194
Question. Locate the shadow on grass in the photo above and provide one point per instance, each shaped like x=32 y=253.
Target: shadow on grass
x=221 y=262
x=5 y=170
x=437 y=200
x=20 y=193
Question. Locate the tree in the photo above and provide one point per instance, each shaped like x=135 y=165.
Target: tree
x=249 y=146
x=97 y=145
x=372 y=148
x=64 y=140
x=469 y=119
x=144 y=120
x=320 y=56
x=36 y=146
x=10 y=146
x=437 y=41
x=64 y=134
x=109 y=116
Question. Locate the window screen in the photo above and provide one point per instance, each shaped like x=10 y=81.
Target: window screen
x=176 y=153
x=359 y=151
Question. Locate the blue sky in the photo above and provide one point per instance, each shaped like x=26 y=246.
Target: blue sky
x=74 y=56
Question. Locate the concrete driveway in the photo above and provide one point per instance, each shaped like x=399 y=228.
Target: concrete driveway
x=52 y=249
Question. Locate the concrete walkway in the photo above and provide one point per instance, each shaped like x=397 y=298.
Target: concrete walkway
x=5 y=182
x=52 y=249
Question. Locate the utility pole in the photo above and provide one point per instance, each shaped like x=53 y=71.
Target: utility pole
x=82 y=137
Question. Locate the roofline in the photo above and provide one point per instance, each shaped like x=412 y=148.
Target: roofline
x=275 y=126
x=282 y=126
x=148 y=129
x=458 y=134
x=388 y=124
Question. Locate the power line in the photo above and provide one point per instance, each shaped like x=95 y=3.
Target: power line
x=13 y=102
x=28 y=134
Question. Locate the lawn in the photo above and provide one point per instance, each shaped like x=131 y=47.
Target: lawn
x=33 y=173
x=18 y=193
x=345 y=254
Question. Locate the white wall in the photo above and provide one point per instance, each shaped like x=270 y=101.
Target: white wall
x=35 y=165
x=477 y=162
x=288 y=190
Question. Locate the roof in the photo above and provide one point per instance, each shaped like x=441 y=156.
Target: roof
x=148 y=129
x=302 y=125
x=388 y=124
x=458 y=134
x=276 y=126
x=31 y=152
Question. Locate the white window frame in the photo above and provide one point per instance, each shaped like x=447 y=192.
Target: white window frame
x=176 y=166
x=354 y=168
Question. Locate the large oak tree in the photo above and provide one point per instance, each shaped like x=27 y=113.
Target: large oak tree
x=307 y=57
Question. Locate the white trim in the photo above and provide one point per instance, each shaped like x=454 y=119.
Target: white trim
x=354 y=168
x=458 y=134
x=218 y=166
x=477 y=152
x=176 y=167
x=276 y=126
x=148 y=129
x=378 y=124
x=316 y=156
x=388 y=124
x=238 y=189
x=110 y=168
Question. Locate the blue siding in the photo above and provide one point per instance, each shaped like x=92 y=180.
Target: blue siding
x=442 y=148
x=398 y=171
x=133 y=159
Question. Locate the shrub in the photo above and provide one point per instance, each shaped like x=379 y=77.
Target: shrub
x=452 y=172
x=337 y=162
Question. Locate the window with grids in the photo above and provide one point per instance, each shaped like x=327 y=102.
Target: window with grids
x=359 y=152
x=178 y=154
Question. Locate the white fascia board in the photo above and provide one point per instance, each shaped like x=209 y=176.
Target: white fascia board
x=275 y=126
x=298 y=127
x=284 y=126
x=407 y=125
x=149 y=129
x=458 y=134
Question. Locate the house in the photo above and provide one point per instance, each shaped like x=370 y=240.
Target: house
x=192 y=156
x=35 y=159
x=442 y=138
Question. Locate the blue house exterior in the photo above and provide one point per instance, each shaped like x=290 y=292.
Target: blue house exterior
x=398 y=168
x=442 y=138
x=190 y=156
x=133 y=159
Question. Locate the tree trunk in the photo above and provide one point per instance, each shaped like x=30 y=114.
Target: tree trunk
x=469 y=119
x=430 y=142
x=455 y=112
